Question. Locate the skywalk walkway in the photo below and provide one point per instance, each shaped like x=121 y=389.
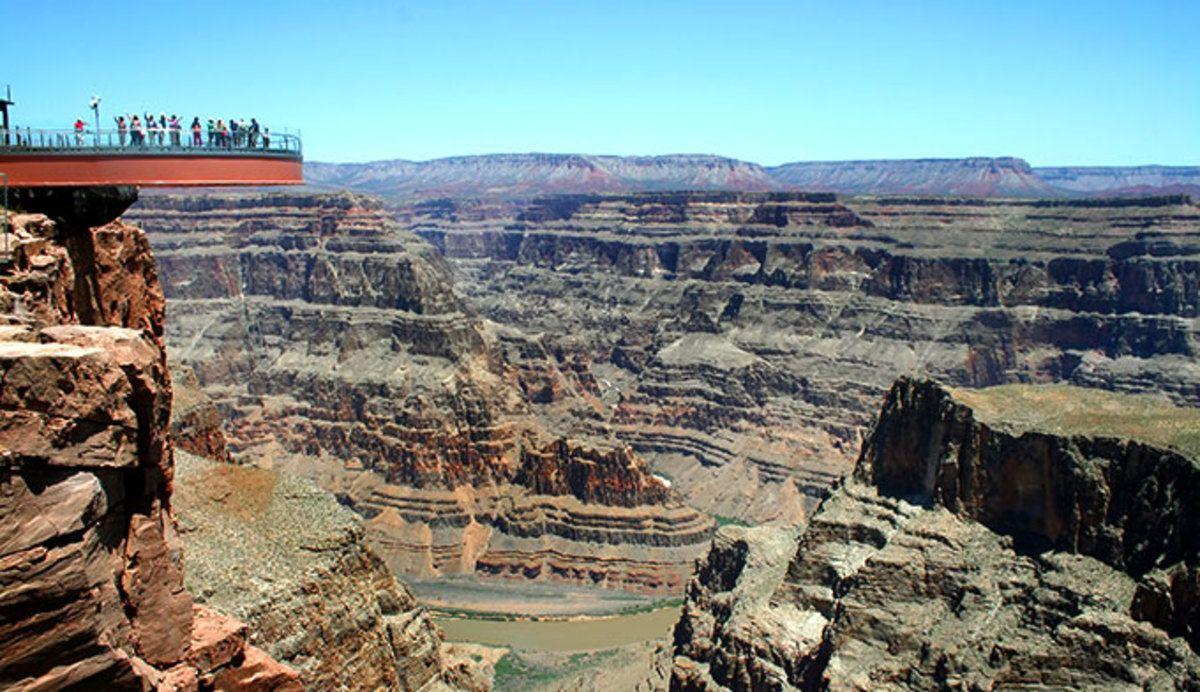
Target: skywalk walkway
x=66 y=158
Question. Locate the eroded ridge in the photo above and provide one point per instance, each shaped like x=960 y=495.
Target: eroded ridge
x=968 y=549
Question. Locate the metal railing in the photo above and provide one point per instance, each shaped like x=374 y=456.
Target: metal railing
x=25 y=139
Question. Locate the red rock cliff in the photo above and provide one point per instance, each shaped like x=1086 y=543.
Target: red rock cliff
x=91 y=574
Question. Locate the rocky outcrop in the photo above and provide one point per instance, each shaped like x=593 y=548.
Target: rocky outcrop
x=312 y=593
x=91 y=575
x=739 y=342
x=986 y=538
x=335 y=345
x=197 y=425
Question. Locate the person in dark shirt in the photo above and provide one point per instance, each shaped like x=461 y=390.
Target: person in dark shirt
x=137 y=132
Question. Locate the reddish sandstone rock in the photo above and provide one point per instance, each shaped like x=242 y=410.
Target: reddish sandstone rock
x=116 y=279
x=196 y=423
x=257 y=672
x=39 y=283
x=91 y=576
x=160 y=608
x=216 y=640
x=607 y=477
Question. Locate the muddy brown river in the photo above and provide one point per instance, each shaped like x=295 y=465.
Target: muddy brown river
x=562 y=635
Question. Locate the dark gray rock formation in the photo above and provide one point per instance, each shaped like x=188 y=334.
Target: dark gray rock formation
x=987 y=538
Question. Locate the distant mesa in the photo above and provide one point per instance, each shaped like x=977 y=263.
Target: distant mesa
x=512 y=176
x=972 y=177
x=524 y=176
x=1124 y=180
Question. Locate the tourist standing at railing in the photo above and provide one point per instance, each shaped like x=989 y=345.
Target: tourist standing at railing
x=255 y=130
x=135 y=131
x=151 y=126
x=79 y=125
x=122 y=129
x=212 y=132
x=266 y=138
x=174 y=126
x=196 y=130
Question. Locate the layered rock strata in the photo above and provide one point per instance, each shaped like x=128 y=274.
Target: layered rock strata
x=91 y=578
x=312 y=593
x=977 y=177
x=336 y=346
x=507 y=176
x=987 y=538
x=740 y=341
x=1123 y=180
x=521 y=177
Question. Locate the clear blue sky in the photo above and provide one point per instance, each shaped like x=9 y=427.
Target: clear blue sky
x=1055 y=81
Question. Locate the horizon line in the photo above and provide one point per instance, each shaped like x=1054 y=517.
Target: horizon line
x=923 y=159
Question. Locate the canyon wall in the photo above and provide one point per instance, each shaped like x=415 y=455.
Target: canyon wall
x=91 y=576
x=987 y=538
x=740 y=341
x=334 y=344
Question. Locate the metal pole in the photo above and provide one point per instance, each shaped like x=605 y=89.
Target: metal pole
x=7 y=255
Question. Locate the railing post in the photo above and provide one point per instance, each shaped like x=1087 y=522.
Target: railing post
x=7 y=253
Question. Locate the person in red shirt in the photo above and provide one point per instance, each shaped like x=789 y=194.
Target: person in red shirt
x=79 y=125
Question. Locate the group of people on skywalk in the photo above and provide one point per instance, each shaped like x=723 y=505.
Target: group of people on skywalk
x=216 y=133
